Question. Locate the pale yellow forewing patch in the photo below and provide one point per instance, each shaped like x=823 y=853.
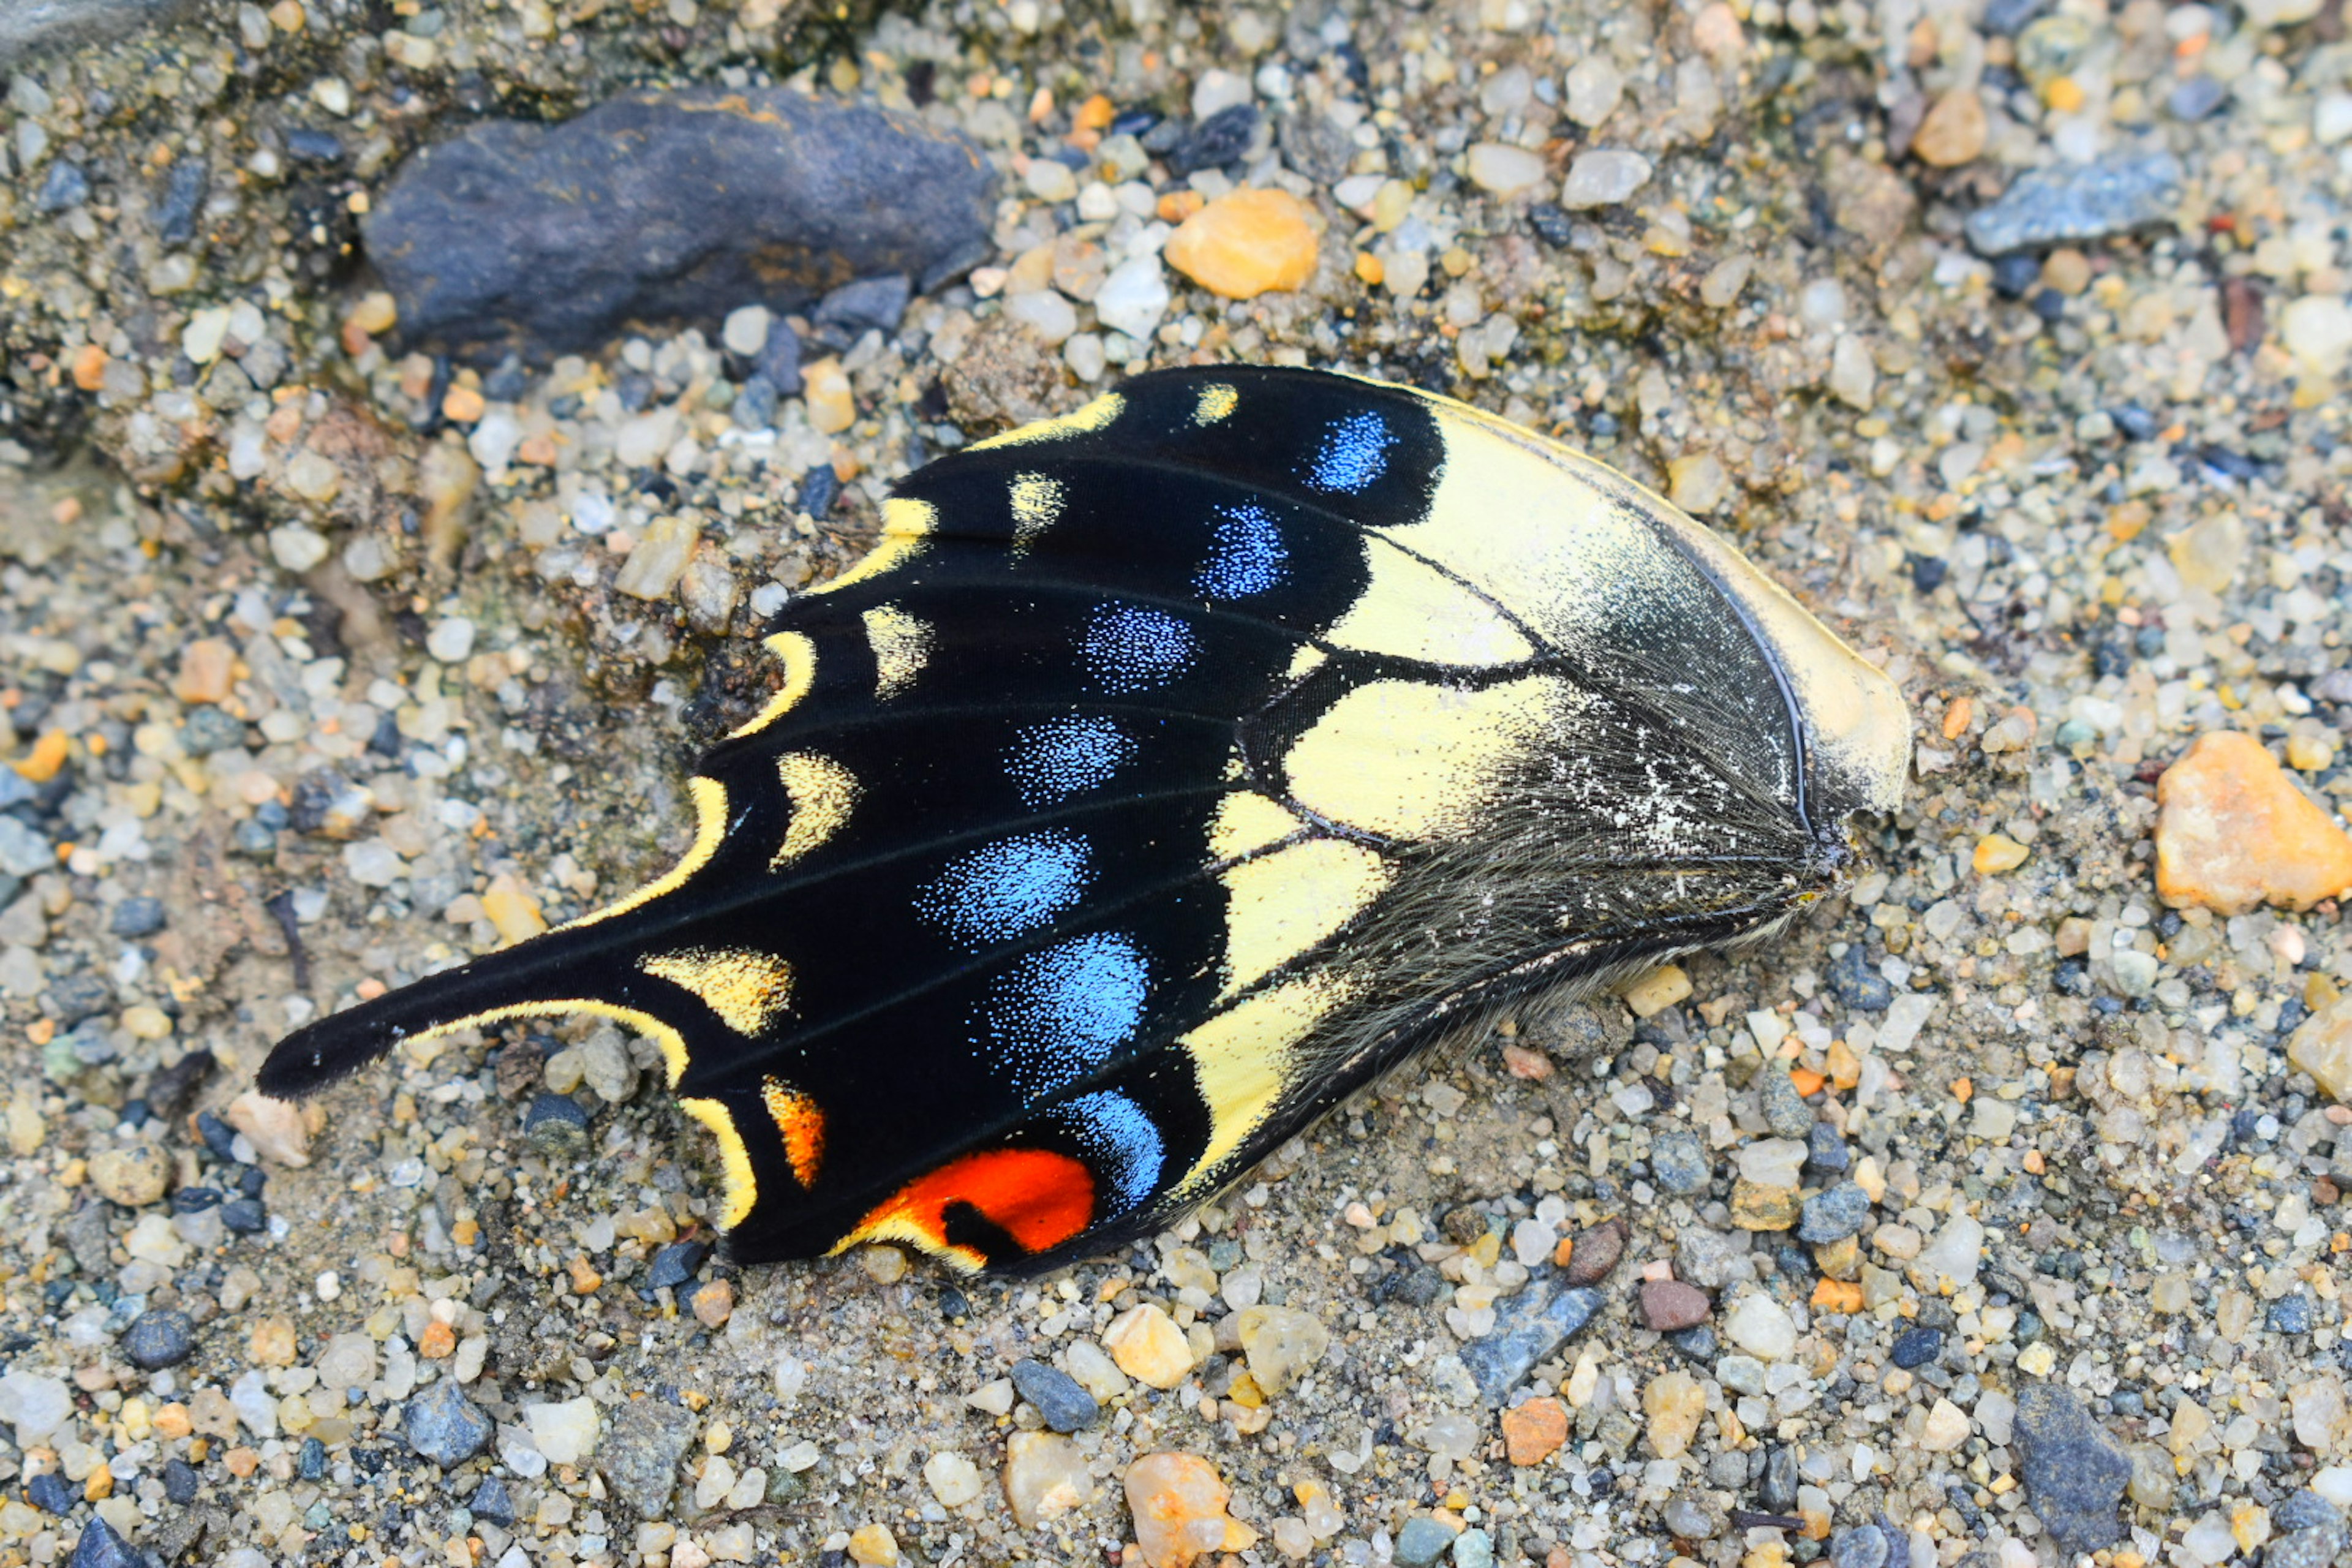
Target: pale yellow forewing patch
x=1242 y=1064
x=1410 y=610
x=1408 y=759
x=1279 y=905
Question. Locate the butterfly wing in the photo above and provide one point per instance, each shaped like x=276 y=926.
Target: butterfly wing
x=1166 y=772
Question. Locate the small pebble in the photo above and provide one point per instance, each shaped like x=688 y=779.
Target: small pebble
x=158 y=1338
x=2232 y=832
x=1066 y=1407
x=1678 y=1162
x=1045 y=1475
x=445 y=1426
x=1669 y=1306
x=1916 y=1347
x=1244 y=244
x=1603 y=177
x=1833 y=1215
x=1421 y=1543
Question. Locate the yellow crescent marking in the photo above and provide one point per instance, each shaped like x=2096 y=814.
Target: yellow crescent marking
x=1412 y=760
x=1247 y=821
x=907 y=527
x=905 y=1228
x=747 y=988
x=1279 y=905
x=1218 y=399
x=1078 y=422
x=798 y=655
x=709 y=828
x=822 y=792
x=1036 y=502
x=1410 y=610
x=742 y=1188
x=1241 y=1061
x=801 y=1122
x=902 y=645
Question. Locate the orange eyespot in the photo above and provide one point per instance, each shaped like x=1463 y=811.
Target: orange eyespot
x=800 y=1119
x=1037 y=1197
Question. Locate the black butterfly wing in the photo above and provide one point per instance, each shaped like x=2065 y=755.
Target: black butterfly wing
x=1167 y=771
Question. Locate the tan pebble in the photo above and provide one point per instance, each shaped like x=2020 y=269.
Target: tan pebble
x=1953 y=131
x=89 y=367
x=1673 y=1403
x=2322 y=1047
x=1179 y=1504
x=586 y=1280
x=514 y=911
x=1044 y=1477
x=1246 y=243
x=374 y=315
x=714 y=1303
x=2310 y=753
x=271 y=1342
x=1148 y=1347
x=1757 y=1207
x=462 y=405
x=831 y=408
x=2066 y=270
x=1533 y=1432
x=1946 y=1428
x=146 y=1023
x=133 y=1177
x=1283 y=1344
x=2232 y=832
x=883 y=1265
x=279 y=1130
x=207 y=666
x=437 y=1341
x=874 y=1546
x=1658 y=990
x=1997 y=852
x=170 y=1421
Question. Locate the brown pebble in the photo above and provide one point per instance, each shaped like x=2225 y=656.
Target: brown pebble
x=1953 y=131
x=1669 y=1305
x=1596 y=1253
x=714 y=1303
x=1533 y=1432
x=437 y=1340
x=207 y=666
x=2233 y=832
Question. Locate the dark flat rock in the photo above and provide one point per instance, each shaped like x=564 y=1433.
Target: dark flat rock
x=2076 y=203
x=640 y=1453
x=1529 y=1328
x=539 y=240
x=29 y=28
x=2074 y=1473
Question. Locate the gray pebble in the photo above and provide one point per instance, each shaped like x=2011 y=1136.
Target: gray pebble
x=157 y=1338
x=1529 y=1328
x=2314 y=1548
x=640 y=1453
x=1678 y=1162
x=1473 y=1549
x=2074 y=1473
x=137 y=917
x=2074 y=202
x=1421 y=1543
x=2304 y=1510
x=1785 y=1111
x=1833 y=1215
x=1066 y=1407
x=1777 y=1491
x=1853 y=982
x=2291 y=1314
x=65 y=187
x=556 y=1125
x=1863 y=1546
x=1690 y=1518
x=2195 y=96
x=101 y=1547
x=445 y=1426
x=1709 y=1258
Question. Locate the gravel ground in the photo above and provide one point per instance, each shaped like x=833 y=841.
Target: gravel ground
x=1982 y=1218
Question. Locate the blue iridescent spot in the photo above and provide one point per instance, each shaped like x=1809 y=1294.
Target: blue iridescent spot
x=1057 y=1014
x=1008 y=888
x=1068 y=755
x=1355 y=452
x=1123 y=1139
x=1128 y=648
x=1247 y=556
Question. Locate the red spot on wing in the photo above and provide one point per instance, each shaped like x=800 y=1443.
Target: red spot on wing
x=1037 y=1197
